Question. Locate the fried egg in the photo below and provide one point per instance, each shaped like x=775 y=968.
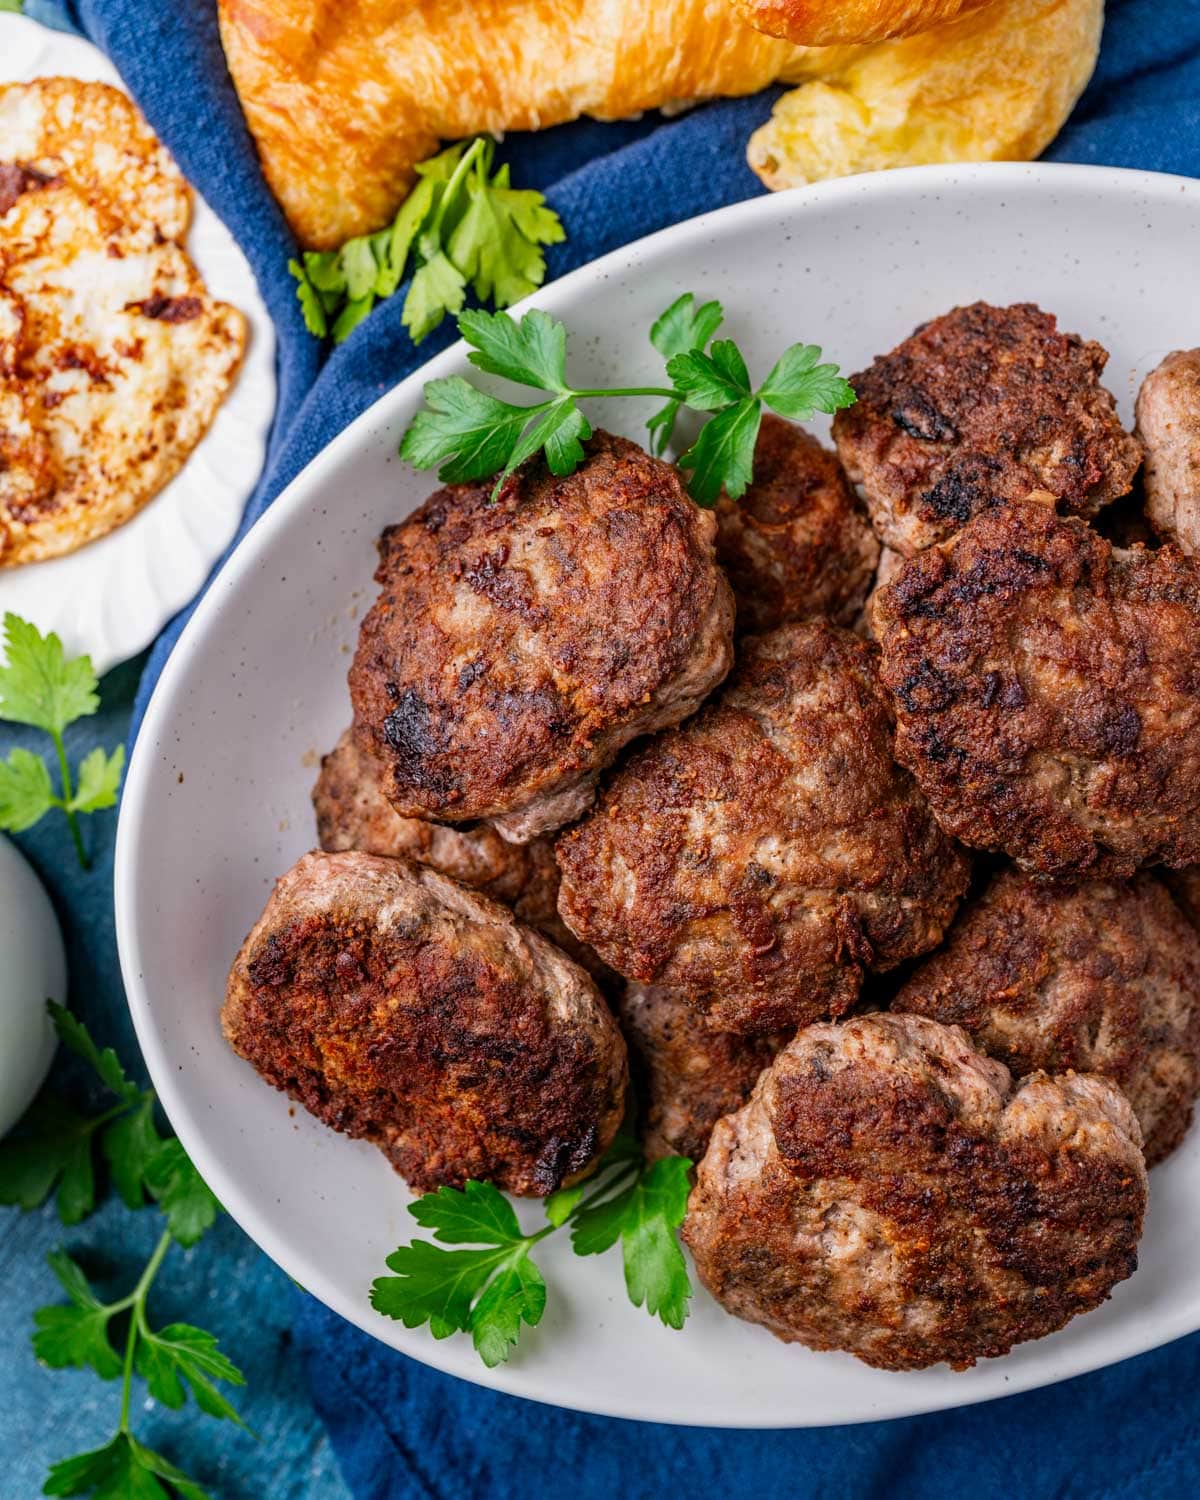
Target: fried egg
x=94 y=137
x=121 y=360
x=113 y=357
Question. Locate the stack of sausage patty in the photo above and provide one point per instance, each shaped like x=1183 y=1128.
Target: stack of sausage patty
x=884 y=891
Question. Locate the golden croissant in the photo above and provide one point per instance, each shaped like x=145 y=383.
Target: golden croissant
x=343 y=97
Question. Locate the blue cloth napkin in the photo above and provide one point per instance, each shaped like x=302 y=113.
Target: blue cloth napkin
x=399 y=1429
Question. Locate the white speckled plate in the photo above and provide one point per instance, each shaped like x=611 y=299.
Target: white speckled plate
x=216 y=803
x=112 y=597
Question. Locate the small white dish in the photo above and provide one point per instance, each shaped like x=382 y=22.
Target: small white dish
x=34 y=971
x=216 y=802
x=112 y=597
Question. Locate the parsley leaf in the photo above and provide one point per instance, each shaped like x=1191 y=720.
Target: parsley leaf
x=438 y=287
x=123 y=1469
x=99 y=780
x=489 y=1292
x=564 y=439
x=710 y=382
x=41 y=687
x=475 y=1214
x=54 y=1145
x=403 y=233
x=798 y=386
x=358 y=267
x=461 y=227
x=129 y=1145
x=515 y=1295
x=25 y=790
x=494 y=1288
x=496 y=243
x=530 y=352
x=469 y=433
x=77 y=1334
x=645 y=1216
x=185 y=1198
x=683 y=327
x=325 y=270
x=351 y=316
x=559 y=430
x=311 y=307
x=180 y=1355
x=75 y=1035
x=722 y=457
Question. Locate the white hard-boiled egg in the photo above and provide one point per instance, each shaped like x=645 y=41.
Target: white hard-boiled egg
x=33 y=969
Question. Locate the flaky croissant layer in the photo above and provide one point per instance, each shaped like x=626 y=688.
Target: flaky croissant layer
x=344 y=97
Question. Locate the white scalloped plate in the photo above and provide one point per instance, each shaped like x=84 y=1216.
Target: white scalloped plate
x=112 y=597
x=217 y=804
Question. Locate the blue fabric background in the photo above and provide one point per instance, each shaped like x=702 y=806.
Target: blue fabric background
x=398 y=1429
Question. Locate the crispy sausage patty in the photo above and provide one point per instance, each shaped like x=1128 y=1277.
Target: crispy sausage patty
x=518 y=645
x=1047 y=691
x=1103 y=977
x=687 y=1074
x=976 y=409
x=1168 y=423
x=887 y=1191
x=796 y=545
x=399 y=1007
x=353 y=813
x=763 y=856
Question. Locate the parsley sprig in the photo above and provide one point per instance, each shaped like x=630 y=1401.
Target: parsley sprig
x=495 y=1287
x=469 y=434
x=117 y=1339
x=42 y=687
x=462 y=226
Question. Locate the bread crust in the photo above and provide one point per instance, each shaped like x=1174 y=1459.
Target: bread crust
x=343 y=97
x=817 y=23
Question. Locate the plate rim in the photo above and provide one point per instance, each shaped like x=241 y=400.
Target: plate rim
x=136 y=815
x=252 y=397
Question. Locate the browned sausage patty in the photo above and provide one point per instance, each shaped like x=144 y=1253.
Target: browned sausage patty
x=1047 y=691
x=796 y=545
x=977 y=408
x=886 y=1191
x=1101 y=978
x=765 y=854
x=687 y=1073
x=517 y=646
x=1168 y=423
x=402 y=1008
x=353 y=813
